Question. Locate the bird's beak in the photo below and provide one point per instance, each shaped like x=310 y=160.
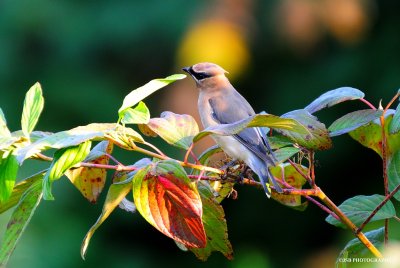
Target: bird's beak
x=187 y=69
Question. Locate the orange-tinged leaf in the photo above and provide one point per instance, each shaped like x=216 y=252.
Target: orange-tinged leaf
x=176 y=129
x=90 y=181
x=146 y=130
x=292 y=177
x=168 y=200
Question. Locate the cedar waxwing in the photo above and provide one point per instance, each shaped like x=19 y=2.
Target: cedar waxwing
x=220 y=103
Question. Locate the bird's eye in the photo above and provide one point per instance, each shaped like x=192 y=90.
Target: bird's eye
x=201 y=76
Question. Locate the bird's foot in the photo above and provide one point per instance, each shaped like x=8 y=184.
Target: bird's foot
x=228 y=169
x=245 y=173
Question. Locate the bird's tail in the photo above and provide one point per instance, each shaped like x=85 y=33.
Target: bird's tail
x=266 y=178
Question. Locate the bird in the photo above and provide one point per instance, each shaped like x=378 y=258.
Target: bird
x=220 y=103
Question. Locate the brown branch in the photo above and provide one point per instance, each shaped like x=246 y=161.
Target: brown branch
x=345 y=220
x=387 y=198
x=204 y=178
x=385 y=175
x=118 y=167
x=104 y=166
x=189 y=165
x=286 y=191
x=312 y=168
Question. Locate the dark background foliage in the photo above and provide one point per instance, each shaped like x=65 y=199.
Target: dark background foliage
x=281 y=55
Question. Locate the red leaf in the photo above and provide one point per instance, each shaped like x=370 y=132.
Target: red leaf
x=169 y=201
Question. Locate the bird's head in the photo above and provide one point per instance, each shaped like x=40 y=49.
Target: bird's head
x=205 y=71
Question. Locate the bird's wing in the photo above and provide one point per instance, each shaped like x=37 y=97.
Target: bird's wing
x=239 y=109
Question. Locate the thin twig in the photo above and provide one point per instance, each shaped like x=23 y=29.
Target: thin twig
x=113 y=159
x=154 y=148
x=189 y=150
x=368 y=103
x=391 y=101
x=195 y=157
x=321 y=206
x=300 y=172
x=200 y=175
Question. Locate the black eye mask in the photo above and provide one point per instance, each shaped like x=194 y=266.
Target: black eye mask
x=198 y=76
x=201 y=76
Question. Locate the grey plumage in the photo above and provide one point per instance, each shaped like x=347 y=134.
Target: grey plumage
x=220 y=103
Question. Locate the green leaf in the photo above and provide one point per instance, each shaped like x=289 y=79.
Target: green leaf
x=285 y=153
x=18 y=191
x=207 y=154
x=370 y=136
x=333 y=97
x=358 y=209
x=138 y=115
x=279 y=141
x=90 y=181
x=116 y=193
x=295 y=179
x=33 y=106
x=176 y=129
x=101 y=149
x=214 y=225
x=316 y=137
x=258 y=120
x=394 y=126
x=4 y=132
x=353 y=120
x=63 y=160
x=118 y=134
x=8 y=174
x=19 y=220
x=66 y=158
x=393 y=172
x=142 y=92
x=356 y=249
x=168 y=200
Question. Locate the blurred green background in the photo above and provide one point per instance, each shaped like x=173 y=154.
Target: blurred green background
x=280 y=54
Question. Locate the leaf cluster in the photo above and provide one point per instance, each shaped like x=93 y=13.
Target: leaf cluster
x=182 y=199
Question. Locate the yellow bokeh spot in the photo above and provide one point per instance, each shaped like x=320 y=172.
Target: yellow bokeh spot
x=215 y=41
